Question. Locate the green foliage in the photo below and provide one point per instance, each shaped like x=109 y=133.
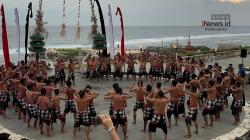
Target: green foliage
x=70 y=52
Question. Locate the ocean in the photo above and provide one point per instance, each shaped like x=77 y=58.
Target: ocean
x=135 y=37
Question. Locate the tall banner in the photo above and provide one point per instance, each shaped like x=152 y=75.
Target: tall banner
x=111 y=30
x=122 y=29
x=5 y=39
x=17 y=34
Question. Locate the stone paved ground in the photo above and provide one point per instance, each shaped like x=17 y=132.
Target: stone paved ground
x=176 y=133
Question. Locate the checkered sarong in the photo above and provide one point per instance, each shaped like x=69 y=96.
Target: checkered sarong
x=178 y=74
x=192 y=112
x=22 y=103
x=139 y=105
x=32 y=109
x=148 y=112
x=227 y=92
x=119 y=114
x=44 y=115
x=4 y=97
x=181 y=100
x=82 y=117
x=55 y=112
x=156 y=118
x=219 y=101
x=238 y=103
x=70 y=105
x=171 y=106
x=210 y=104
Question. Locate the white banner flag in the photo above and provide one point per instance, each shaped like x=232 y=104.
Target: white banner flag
x=111 y=30
x=17 y=34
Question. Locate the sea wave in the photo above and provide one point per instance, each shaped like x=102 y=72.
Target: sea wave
x=143 y=42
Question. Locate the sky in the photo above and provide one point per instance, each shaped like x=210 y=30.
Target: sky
x=135 y=12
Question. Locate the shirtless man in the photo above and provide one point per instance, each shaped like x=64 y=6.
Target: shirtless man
x=131 y=66
x=31 y=104
x=149 y=107
x=91 y=107
x=49 y=89
x=118 y=68
x=44 y=113
x=119 y=116
x=237 y=102
x=226 y=83
x=82 y=117
x=93 y=68
x=158 y=119
x=219 y=102
x=22 y=100
x=71 y=67
x=59 y=72
x=173 y=104
x=69 y=102
x=55 y=110
x=203 y=83
x=142 y=69
x=209 y=108
x=140 y=104
x=182 y=98
x=193 y=111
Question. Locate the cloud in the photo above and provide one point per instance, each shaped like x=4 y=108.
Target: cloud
x=233 y=1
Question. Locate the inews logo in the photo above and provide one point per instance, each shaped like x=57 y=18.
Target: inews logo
x=217 y=22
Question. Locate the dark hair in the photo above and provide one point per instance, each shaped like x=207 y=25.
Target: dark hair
x=57 y=91
x=158 y=85
x=149 y=88
x=82 y=93
x=39 y=78
x=30 y=86
x=174 y=83
x=88 y=86
x=194 y=76
x=181 y=80
x=43 y=91
x=68 y=82
x=238 y=84
x=118 y=90
x=22 y=81
x=161 y=94
x=219 y=79
x=211 y=82
x=194 y=88
x=48 y=81
x=115 y=85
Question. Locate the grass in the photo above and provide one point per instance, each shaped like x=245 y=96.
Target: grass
x=71 y=52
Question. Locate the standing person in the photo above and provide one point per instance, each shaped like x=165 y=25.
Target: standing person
x=44 y=113
x=118 y=68
x=119 y=116
x=69 y=102
x=22 y=100
x=219 y=102
x=193 y=111
x=209 y=108
x=226 y=83
x=31 y=104
x=131 y=66
x=158 y=119
x=237 y=102
x=82 y=117
x=142 y=69
x=71 y=67
x=93 y=68
x=112 y=92
x=203 y=83
x=182 y=97
x=91 y=107
x=4 y=98
x=149 y=107
x=55 y=110
x=173 y=104
x=140 y=104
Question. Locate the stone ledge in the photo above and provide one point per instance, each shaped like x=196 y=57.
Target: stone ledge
x=241 y=130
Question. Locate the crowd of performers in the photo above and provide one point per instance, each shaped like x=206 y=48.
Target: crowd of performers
x=205 y=89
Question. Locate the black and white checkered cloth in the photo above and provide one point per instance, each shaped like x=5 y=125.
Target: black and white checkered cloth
x=70 y=105
x=22 y=103
x=56 y=112
x=238 y=103
x=156 y=118
x=82 y=116
x=171 y=106
x=44 y=115
x=32 y=109
x=210 y=104
x=4 y=97
x=139 y=105
x=192 y=112
x=219 y=101
x=181 y=100
x=148 y=112
x=119 y=114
